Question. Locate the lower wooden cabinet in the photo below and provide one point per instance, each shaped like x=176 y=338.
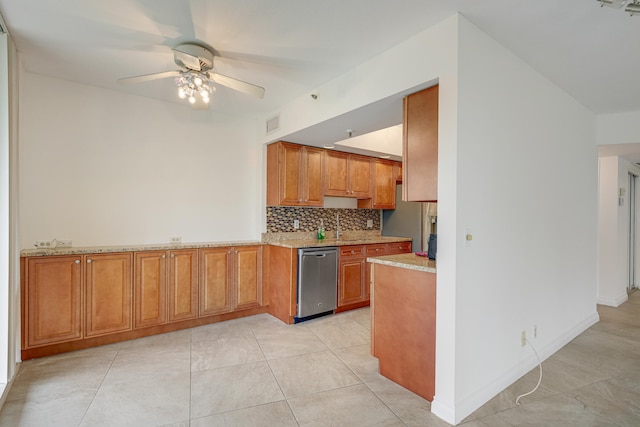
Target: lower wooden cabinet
x=354 y=274
x=231 y=279
x=150 y=288
x=351 y=275
x=68 y=301
x=53 y=300
x=108 y=293
x=247 y=278
x=182 y=298
x=215 y=281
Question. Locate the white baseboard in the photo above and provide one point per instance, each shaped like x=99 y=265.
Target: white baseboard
x=6 y=388
x=613 y=302
x=467 y=405
x=446 y=412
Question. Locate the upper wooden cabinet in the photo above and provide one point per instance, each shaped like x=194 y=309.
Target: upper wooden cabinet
x=108 y=300
x=294 y=175
x=53 y=300
x=397 y=171
x=420 y=146
x=347 y=175
x=384 y=186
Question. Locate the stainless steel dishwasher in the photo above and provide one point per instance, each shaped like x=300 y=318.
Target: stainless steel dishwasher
x=317 y=281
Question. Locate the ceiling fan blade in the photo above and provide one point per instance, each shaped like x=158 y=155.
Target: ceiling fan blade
x=238 y=85
x=149 y=77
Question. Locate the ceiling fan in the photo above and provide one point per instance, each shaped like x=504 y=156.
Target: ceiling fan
x=195 y=80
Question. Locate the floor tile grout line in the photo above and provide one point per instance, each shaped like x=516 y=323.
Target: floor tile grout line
x=99 y=387
x=385 y=403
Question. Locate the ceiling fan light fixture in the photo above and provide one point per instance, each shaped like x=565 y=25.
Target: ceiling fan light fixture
x=630 y=6
x=633 y=8
x=193 y=83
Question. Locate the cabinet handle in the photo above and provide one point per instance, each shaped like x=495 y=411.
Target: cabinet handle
x=77 y=261
x=164 y=256
x=88 y=261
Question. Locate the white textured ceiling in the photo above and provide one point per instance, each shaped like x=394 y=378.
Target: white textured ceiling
x=292 y=46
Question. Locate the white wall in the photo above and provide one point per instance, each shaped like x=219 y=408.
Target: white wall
x=620 y=128
x=9 y=249
x=421 y=61
x=527 y=190
x=4 y=212
x=105 y=168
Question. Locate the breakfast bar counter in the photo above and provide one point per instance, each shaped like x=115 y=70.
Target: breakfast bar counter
x=403 y=320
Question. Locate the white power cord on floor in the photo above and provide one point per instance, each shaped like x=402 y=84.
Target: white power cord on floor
x=539 y=379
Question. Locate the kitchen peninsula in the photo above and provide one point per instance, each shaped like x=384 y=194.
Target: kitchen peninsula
x=403 y=320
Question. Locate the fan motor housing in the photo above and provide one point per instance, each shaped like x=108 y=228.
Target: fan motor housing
x=193 y=56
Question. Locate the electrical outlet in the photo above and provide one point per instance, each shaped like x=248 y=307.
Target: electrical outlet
x=296 y=224
x=523 y=338
x=175 y=240
x=369 y=223
x=535 y=331
x=62 y=243
x=43 y=244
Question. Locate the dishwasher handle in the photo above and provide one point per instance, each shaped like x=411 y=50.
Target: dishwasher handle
x=319 y=253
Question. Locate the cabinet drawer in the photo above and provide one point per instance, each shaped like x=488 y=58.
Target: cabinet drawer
x=376 y=250
x=352 y=251
x=398 y=248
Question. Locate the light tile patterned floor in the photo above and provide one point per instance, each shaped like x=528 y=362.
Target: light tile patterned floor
x=259 y=372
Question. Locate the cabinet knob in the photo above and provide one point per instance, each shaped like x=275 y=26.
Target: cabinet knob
x=353 y=252
x=88 y=261
x=164 y=256
x=77 y=261
x=173 y=255
x=229 y=252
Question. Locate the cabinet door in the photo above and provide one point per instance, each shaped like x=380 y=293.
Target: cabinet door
x=384 y=190
x=397 y=171
x=215 y=281
x=420 y=146
x=335 y=174
x=350 y=281
x=284 y=174
x=108 y=285
x=312 y=178
x=248 y=276
x=150 y=288
x=359 y=177
x=54 y=300
x=183 y=284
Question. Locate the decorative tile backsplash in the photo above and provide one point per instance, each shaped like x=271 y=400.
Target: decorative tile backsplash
x=280 y=219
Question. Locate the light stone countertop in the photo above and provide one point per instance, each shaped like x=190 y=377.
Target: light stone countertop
x=314 y=243
x=409 y=261
x=130 y=248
